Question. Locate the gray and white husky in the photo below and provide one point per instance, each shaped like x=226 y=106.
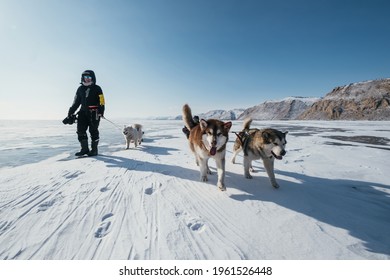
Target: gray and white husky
x=133 y=134
x=266 y=144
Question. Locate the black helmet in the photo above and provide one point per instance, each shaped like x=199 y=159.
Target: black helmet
x=89 y=73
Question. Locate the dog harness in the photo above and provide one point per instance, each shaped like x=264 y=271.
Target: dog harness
x=245 y=137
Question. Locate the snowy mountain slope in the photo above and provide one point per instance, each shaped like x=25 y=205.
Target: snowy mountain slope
x=222 y=114
x=361 y=90
x=219 y=114
x=288 y=109
x=369 y=100
x=148 y=203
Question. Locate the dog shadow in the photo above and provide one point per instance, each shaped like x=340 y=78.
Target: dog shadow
x=361 y=208
x=159 y=151
x=152 y=139
x=161 y=168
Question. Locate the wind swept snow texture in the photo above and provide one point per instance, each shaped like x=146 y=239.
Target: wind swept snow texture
x=148 y=203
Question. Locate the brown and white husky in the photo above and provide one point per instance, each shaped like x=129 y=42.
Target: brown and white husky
x=208 y=139
x=266 y=144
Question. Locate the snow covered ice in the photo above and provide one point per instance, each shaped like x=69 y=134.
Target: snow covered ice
x=148 y=203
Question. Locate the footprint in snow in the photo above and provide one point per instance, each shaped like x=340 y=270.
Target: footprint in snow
x=46 y=205
x=104 y=227
x=149 y=191
x=193 y=224
x=178 y=214
x=196 y=225
x=72 y=175
x=153 y=188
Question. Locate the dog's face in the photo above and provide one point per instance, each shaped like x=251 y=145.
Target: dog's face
x=275 y=143
x=128 y=131
x=215 y=134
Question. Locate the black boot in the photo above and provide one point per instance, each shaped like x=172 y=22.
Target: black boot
x=84 y=148
x=94 y=150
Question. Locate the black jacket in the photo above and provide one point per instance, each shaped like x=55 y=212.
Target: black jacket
x=87 y=96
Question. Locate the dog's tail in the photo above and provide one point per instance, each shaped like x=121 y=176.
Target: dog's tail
x=187 y=117
x=137 y=126
x=247 y=123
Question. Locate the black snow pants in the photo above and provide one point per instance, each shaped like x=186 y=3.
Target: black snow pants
x=88 y=119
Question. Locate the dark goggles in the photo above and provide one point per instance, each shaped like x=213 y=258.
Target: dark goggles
x=87 y=77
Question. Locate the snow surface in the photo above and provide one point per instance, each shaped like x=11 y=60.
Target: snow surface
x=148 y=203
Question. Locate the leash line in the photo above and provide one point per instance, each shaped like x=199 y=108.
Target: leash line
x=114 y=124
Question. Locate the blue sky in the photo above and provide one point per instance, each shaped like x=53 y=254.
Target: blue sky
x=152 y=56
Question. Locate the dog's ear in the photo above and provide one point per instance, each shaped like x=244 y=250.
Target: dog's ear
x=285 y=133
x=203 y=124
x=227 y=125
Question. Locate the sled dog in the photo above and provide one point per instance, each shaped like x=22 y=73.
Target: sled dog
x=133 y=134
x=208 y=139
x=266 y=144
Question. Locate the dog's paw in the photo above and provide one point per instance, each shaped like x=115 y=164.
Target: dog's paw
x=233 y=160
x=248 y=176
x=275 y=185
x=203 y=179
x=221 y=187
x=209 y=171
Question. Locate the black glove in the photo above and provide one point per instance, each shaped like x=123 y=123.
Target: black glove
x=69 y=119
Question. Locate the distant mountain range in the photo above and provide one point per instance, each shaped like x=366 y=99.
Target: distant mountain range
x=369 y=100
x=286 y=109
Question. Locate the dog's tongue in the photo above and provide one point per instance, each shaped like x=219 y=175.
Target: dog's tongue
x=213 y=151
x=277 y=157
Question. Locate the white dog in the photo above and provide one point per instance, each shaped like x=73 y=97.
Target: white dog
x=133 y=134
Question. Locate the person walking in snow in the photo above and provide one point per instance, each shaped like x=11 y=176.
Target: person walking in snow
x=91 y=99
